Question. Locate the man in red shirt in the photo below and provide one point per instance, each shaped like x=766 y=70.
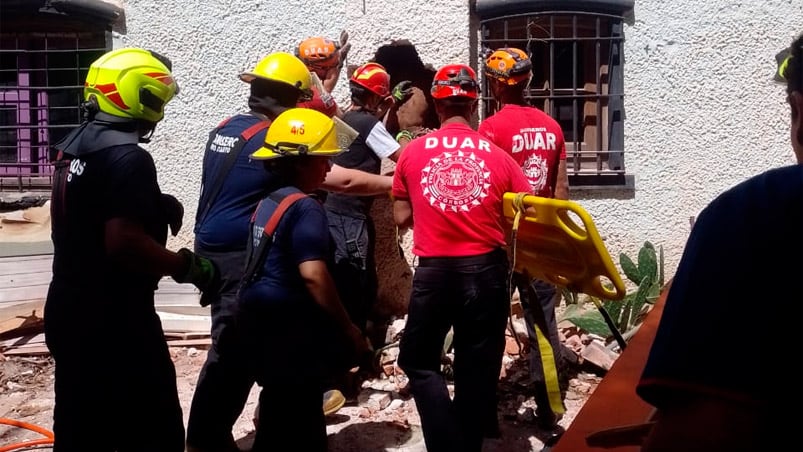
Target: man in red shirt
x=448 y=186
x=535 y=141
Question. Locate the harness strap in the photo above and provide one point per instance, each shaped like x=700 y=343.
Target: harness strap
x=255 y=260
x=209 y=197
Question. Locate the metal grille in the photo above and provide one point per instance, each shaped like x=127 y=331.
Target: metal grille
x=577 y=79
x=41 y=85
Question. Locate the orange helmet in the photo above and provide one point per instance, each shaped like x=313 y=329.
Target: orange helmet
x=455 y=80
x=373 y=77
x=509 y=65
x=318 y=52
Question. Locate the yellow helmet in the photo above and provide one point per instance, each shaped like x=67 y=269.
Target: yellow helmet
x=131 y=83
x=281 y=67
x=302 y=131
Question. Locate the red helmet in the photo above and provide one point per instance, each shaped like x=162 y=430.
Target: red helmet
x=455 y=80
x=373 y=77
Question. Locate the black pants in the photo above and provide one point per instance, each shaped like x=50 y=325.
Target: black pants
x=469 y=295
x=225 y=381
x=538 y=300
x=292 y=349
x=354 y=270
x=115 y=383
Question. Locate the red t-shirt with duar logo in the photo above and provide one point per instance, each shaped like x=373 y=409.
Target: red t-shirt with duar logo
x=533 y=138
x=455 y=179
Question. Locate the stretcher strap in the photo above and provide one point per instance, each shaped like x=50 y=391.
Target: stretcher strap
x=550 y=371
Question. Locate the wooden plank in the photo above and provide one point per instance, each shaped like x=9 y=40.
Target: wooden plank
x=30 y=293
x=25 y=279
x=184 y=309
x=32 y=351
x=615 y=403
x=22 y=309
x=18 y=265
x=203 y=342
x=24 y=341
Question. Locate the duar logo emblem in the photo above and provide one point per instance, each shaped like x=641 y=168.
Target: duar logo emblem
x=535 y=168
x=455 y=181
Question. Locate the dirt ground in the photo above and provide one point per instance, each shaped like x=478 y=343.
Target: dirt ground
x=382 y=419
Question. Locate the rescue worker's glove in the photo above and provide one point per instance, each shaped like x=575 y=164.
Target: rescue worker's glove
x=173 y=213
x=200 y=272
x=402 y=92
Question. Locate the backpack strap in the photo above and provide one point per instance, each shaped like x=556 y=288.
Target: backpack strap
x=58 y=195
x=256 y=259
x=208 y=197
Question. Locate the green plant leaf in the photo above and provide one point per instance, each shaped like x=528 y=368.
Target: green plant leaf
x=614 y=308
x=624 y=318
x=629 y=267
x=647 y=264
x=588 y=320
x=637 y=303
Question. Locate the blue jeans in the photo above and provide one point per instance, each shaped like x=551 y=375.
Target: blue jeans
x=471 y=296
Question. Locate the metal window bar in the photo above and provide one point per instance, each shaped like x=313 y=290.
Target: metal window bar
x=40 y=79
x=587 y=160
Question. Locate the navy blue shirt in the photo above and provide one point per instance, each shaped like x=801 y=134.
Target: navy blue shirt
x=301 y=235
x=225 y=226
x=736 y=300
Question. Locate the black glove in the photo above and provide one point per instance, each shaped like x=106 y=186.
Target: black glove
x=200 y=272
x=402 y=91
x=173 y=213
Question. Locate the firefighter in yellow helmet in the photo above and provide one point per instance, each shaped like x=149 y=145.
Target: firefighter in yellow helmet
x=232 y=184
x=109 y=228
x=287 y=278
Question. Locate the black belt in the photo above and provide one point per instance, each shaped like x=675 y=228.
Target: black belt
x=494 y=257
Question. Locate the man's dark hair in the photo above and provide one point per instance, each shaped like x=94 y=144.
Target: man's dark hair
x=360 y=94
x=284 y=94
x=794 y=68
x=455 y=106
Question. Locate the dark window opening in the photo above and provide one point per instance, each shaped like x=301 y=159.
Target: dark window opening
x=577 y=79
x=41 y=87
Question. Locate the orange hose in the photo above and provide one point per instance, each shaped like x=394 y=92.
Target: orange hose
x=34 y=428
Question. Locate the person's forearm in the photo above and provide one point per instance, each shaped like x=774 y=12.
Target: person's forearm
x=402 y=213
x=127 y=243
x=356 y=182
x=322 y=288
x=561 y=189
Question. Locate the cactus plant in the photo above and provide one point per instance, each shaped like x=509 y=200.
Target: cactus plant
x=647 y=275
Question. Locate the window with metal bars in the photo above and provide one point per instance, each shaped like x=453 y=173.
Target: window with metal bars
x=577 y=79
x=41 y=84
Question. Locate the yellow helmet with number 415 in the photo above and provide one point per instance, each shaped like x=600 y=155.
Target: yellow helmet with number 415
x=302 y=131
x=131 y=83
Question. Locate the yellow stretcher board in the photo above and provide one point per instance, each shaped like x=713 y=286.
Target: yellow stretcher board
x=549 y=244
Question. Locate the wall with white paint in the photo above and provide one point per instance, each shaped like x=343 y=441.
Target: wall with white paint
x=702 y=110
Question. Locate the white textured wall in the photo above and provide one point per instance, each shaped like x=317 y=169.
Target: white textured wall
x=212 y=41
x=702 y=111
